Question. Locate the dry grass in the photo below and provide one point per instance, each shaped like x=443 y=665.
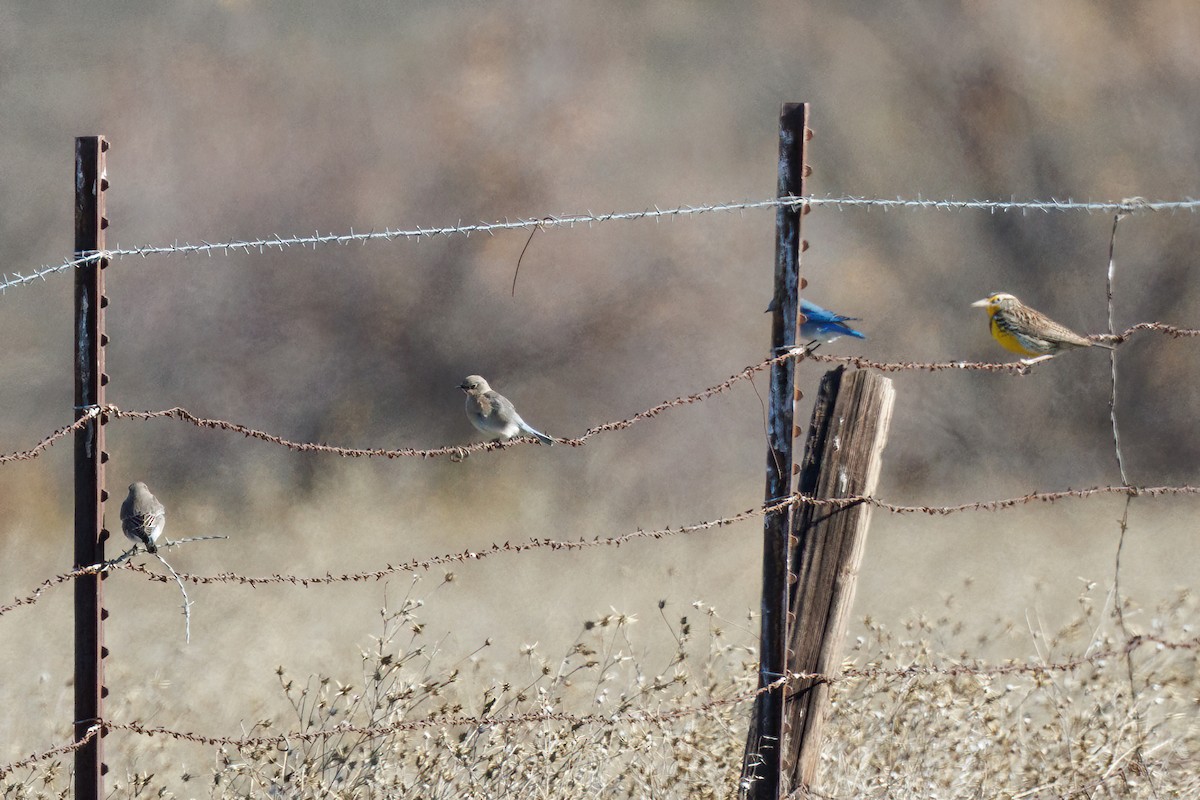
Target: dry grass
x=1071 y=733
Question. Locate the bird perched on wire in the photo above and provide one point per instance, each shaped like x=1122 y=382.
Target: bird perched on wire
x=493 y=413
x=142 y=517
x=820 y=325
x=1020 y=329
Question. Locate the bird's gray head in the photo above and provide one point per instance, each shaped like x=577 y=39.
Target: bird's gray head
x=474 y=384
x=138 y=488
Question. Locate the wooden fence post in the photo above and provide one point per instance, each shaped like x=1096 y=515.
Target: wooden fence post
x=842 y=458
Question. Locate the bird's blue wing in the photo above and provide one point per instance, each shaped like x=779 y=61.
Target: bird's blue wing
x=825 y=325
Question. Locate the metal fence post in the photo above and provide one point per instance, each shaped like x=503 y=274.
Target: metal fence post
x=763 y=763
x=90 y=340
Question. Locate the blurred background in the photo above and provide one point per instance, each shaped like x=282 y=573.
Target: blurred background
x=244 y=119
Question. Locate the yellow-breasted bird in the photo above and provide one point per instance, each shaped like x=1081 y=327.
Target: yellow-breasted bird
x=1020 y=329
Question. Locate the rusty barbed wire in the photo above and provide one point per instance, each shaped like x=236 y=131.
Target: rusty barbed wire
x=459 y=721
x=6 y=769
x=1173 y=331
x=1014 y=668
x=415 y=565
x=49 y=441
x=184 y=415
x=1016 y=367
x=119 y=563
x=49 y=583
x=861 y=362
x=421 y=565
x=661 y=533
x=636 y=716
x=858 y=362
x=1000 y=505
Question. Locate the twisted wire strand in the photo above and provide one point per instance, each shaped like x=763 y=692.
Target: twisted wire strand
x=858 y=362
x=546 y=715
x=496 y=548
x=70 y=747
x=841 y=203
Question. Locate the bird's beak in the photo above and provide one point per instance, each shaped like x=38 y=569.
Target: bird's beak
x=980 y=303
x=462 y=386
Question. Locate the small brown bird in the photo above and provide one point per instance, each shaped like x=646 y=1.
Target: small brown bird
x=142 y=517
x=1023 y=330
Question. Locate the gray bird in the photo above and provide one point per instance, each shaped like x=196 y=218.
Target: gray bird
x=142 y=516
x=492 y=413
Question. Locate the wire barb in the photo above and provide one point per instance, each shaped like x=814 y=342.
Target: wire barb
x=841 y=203
x=913 y=671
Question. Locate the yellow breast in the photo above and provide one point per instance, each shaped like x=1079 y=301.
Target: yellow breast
x=1007 y=340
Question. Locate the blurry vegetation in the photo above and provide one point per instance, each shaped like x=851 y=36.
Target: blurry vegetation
x=1061 y=733
x=241 y=118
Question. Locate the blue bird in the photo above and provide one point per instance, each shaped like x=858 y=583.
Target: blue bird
x=821 y=326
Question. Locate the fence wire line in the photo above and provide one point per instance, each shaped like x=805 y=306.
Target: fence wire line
x=545 y=715
x=420 y=565
x=662 y=533
x=263 y=244
x=286 y=740
x=415 y=565
x=858 y=362
x=49 y=583
x=48 y=441
x=70 y=747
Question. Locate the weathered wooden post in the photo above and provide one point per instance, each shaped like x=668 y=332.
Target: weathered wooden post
x=842 y=458
x=811 y=552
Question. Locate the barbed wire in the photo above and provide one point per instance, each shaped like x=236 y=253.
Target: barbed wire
x=48 y=441
x=121 y=562
x=425 y=564
x=858 y=362
x=545 y=715
x=286 y=740
x=1173 y=331
x=458 y=721
x=6 y=769
x=1000 y=505
x=1126 y=206
x=1014 y=367
x=184 y=415
x=49 y=583
x=317 y=239
x=422 y=565
x=415 y=565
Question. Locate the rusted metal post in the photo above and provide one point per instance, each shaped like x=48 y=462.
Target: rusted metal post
x=763 y=763
x=90 y=340
x=842 y=458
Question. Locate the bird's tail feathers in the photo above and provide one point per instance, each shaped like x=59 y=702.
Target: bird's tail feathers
x=541 y=437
